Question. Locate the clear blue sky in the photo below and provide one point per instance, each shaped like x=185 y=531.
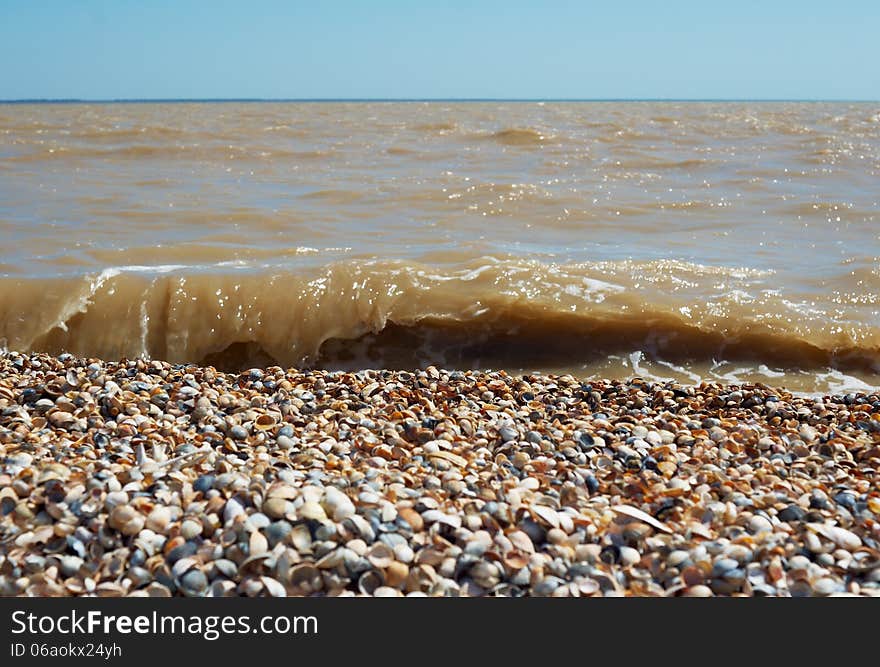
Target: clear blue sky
x=451 y=49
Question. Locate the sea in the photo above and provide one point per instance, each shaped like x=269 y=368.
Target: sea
x=732 y=242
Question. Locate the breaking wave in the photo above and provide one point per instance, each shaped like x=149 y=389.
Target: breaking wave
x=486 y=313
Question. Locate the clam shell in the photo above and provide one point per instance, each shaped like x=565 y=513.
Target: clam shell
x=380 y=555
x=369 y=581
x=264 y=422
x=636 y=513
x=306 y=578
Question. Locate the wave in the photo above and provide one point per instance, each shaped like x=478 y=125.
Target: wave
x=482 y=313
x=648 y=162
x=520 y=136
x=439 y=127
x=191 y=151
x=118 y=134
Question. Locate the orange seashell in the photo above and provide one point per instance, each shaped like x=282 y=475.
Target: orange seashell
x=384 y=451
x=692 y=576
x=515 y=559
x=173 y=543
x=264 y=422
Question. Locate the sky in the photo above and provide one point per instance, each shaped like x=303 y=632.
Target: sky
x=381 y=49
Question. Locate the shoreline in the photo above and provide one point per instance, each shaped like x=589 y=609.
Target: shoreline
x=145 y=478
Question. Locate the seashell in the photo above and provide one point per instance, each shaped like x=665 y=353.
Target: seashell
x=276 y=508
x=436 y=516
x=158 y=519
x=692 y=576
x=254 y=563
x=53 y=389
x=640 y=515
x=258 y=544
x=251 y=587
x=380 y=555
x=264 y=422
x=145 y=478
x=330 y=560
x=282 y=490
x=301 y=538
x=546 y=514
x=311 y=510
x=588 y=587
x=232 y=510
x=521 y=541
x=484 y=574
x=454 y=459
x=396 y=574
x=698 y=591
x=61 y=419
x=515 y=560
x=413 y=518
x=157 y=590
x=337 y=504
x=369 y=581
x=306 y=578
x=126 y=520
x=183 y=565
x=273 y=587
x=361 y=528
x=222 y=588
x=191 y=528
x=109 y=590
x=53 y=471
x=226 y=567
x=421 y=578
x=840 y=536
x=75 y=586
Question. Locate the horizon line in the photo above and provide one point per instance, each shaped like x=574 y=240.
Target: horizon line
x=216 y=100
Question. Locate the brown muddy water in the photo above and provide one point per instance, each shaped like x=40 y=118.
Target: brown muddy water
x=718 y=241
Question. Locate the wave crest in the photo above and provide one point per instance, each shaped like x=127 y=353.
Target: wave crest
x=485 y=313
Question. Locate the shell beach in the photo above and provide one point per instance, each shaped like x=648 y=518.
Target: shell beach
x=678 y=302
x=142 y=478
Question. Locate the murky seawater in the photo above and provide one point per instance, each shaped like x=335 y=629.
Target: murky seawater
x=719 y=241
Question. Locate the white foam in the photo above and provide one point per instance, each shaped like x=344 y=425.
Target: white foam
x=683 y=371
x=841 y=383
x=635 y=359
